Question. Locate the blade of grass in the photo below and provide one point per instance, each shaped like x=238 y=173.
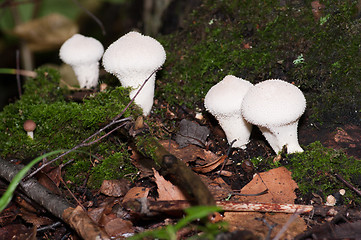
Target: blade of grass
x=13 y=71
x=7 y=196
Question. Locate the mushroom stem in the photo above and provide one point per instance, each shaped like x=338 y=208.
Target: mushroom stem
x=87 y=74
x=279 y=136
x=31 y=134
x=236 y=128
x=144 y=99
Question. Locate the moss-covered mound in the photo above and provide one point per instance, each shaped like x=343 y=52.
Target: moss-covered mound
x=63 y=125
x=315 y=170
x=259 y=40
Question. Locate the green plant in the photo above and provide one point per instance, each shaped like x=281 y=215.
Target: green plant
x=8 y=195
x=209 y=230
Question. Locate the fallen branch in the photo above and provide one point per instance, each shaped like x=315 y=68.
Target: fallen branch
x=153 y=208
x=55 y=204
x=175 y=169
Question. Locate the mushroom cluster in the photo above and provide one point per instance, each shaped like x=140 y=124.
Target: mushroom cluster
x=134 y=58
x=275 y=106
x=83 y=55
x=224 y=101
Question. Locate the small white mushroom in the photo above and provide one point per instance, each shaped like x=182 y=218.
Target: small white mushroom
x=224 y=101
x=29 y=127
x=83 y=54
x=132 y=59
x=275 y=106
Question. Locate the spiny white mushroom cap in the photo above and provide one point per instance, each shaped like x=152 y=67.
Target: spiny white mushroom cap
x=133 y=54
x=224 y=102
x=83 y=54
x=273 y=102
x=275 y=106
x=132 y=59
x=225 y=98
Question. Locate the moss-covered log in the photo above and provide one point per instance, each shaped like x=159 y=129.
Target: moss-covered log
x=175 y=169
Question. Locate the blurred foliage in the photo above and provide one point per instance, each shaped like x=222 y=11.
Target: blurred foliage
x=63 y=125
x=259 y=40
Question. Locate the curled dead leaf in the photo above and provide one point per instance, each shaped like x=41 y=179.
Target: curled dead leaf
x=210 y=166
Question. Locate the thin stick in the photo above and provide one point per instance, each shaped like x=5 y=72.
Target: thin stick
x=92 y=16
x=86 y=141
x=18 y=82
x=22 y=72
x=287 y=224
x=349 y=185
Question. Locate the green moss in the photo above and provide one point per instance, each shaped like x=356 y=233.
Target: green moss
x=214 y=44
x=314 y=170
x=63 y=125
x=115 y=166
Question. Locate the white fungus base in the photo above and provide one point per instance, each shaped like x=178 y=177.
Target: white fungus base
x=145 y=97
x=87 y=74
x=279 y=136
x=236 y=128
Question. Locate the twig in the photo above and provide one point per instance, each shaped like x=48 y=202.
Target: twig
x=57 y=205
x=349 y=185
x=92 y=16
x=154 y=207
x=86 y=141
x=287 y=224
x=18 y=82
x=26 y=73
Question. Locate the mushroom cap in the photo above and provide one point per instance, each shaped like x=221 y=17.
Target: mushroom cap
x=134 y=53
x=79 y=50
x=225 y=98
x=29 y=125
x=273 y=102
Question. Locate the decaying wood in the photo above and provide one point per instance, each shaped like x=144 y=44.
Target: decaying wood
x=175 y=169
x=55 y=204
x=152 y=208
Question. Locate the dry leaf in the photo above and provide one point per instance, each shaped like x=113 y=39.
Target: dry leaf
x=189 y=153
x=142 y=164
x=279 y=183
x=115 y=188
x=166 y=190
x=117 y=227
x=191 y=133
x=135 y=193
x=210 y=166
x=218 y=187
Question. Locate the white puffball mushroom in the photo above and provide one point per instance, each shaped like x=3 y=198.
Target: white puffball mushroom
x=29 y=127
x=132 y=59
x=83 y=55
x=224 y=101
x=330 y=201
x=275 y=106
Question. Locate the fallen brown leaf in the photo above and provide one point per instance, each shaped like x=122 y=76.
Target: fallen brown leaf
x=279 y=183
x=166 y=190
x=115 y=188
x=136 y=192
x=210 y=166
x=189 y=153
x=117 y=227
